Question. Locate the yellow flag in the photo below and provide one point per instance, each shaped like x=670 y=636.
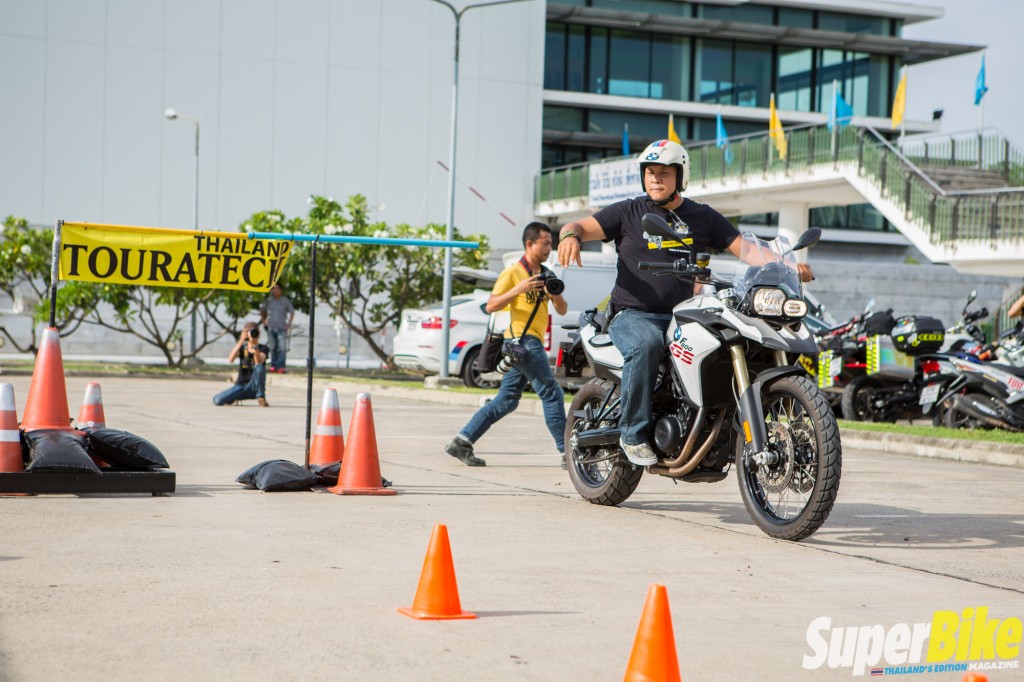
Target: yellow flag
x=775 y=131
x=899 y=103
x=672 y=130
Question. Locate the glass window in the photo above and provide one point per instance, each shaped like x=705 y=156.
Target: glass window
x=852 y=23
x=753 y=74
x=641 y=126
x=796 y=18
x=562 y=118
x=748 y=14
x=575 y=59
x=878 y=86
x=666 y=7
x=554 y=57
x=707 y=128
x=670 y=67
x=795 y=73
x=714 y=69
x=598 y=61
x=629 y=64
x=831 y=67
x=855 y=90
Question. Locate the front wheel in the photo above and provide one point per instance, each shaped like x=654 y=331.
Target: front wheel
x=600 y=474
x=862 y=401
x=791 y=492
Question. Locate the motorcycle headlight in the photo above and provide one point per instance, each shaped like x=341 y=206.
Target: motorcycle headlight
x=794 y=307
x=769 y=302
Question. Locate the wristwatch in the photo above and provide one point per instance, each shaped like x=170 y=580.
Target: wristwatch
x=570 y=233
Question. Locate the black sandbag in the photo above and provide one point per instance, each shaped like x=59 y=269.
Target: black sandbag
x=278 y=475
x=328 y=474
x=124 y=449
x=59 y=451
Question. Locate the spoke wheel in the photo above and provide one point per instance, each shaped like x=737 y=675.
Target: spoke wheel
x=600 y=474
x=791 y=493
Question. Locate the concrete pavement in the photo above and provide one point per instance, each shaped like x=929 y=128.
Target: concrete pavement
x=220 y=582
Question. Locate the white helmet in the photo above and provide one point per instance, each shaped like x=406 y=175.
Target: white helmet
x=666 y=153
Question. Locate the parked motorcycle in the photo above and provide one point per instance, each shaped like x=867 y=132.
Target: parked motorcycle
x=986 y=395
x=966 y=336
x=726 y=393
x=842 y=357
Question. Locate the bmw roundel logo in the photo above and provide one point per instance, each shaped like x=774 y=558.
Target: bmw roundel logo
x=653 y=156
x=677 y=334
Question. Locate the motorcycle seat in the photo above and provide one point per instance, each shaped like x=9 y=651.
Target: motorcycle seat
x=1010 y=369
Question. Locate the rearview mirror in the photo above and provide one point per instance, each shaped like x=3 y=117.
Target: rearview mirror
x=656 y=225
x=808 y=239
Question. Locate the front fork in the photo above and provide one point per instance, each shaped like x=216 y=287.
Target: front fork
x=755 y=435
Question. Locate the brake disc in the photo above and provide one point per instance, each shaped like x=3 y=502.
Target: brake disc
x=776 y=477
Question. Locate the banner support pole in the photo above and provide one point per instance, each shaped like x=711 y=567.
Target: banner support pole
x=309 y=352
x=54 y=272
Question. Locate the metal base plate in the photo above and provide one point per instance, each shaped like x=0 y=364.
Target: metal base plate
x=157 y=482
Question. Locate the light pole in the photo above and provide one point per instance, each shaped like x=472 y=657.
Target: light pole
x=171 y=115
x=450 y=232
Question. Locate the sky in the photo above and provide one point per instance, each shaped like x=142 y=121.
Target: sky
x=948 y=84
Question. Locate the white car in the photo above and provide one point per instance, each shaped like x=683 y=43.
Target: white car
x=418 y=341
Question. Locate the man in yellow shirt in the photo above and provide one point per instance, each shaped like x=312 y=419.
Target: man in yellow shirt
x=521 y=288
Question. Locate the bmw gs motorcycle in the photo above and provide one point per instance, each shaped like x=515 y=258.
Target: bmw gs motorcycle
x=726 y=392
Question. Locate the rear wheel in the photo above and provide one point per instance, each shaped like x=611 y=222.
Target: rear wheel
x=601 y=474
x=471 y=375
x=791 y=492
x=861 y=401
x=958 y=419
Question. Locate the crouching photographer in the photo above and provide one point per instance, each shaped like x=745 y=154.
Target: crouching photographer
x=252 y=369
x=525 y=288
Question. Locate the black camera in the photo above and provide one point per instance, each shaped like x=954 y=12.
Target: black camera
x=552 y=284
x=511 y=352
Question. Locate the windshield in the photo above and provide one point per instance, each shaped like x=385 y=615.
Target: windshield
x=766 y=263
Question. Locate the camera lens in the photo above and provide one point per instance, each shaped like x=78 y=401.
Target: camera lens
x=554 y=286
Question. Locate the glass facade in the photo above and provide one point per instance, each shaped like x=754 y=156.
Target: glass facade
x=659 y=66
x=652 y=65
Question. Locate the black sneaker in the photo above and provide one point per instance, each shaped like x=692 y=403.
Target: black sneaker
x=463 y=451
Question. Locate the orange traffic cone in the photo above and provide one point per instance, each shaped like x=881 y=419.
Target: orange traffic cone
x=10 y=438
x=47 y=404
x=360 y=469
x=654 y=649
x=437 y=595
x=90 y=416
x=328 y=444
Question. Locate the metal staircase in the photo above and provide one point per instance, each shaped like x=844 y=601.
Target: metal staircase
x=959 y=199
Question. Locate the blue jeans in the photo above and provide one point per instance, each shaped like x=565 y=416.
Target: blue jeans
x=640 y=337
x=535 y=369
x=277 y=339
x=256 y=388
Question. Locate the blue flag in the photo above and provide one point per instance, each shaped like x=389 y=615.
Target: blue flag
x=979 y=84
x=722 y=138
x=841 y=112
x=625 y=139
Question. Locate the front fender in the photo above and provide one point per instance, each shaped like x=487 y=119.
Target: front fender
x=751 y=409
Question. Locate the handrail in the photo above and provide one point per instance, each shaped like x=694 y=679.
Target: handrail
x=943 y=215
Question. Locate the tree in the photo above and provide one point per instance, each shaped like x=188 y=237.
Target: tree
x=25 y=257
x=370 y=284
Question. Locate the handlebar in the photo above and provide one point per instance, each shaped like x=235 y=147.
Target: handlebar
x=679 y=267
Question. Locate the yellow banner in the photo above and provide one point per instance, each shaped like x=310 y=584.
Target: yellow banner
x=159 y=257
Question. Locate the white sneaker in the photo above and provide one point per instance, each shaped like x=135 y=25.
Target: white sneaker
x=642 y=455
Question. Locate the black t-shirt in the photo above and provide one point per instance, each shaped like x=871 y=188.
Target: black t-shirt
x=247 y=361
x=641 y=290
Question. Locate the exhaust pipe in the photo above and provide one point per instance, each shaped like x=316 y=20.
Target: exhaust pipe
x=608 y=435
x=980 y=411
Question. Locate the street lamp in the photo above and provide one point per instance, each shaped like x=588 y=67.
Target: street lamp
x=172 y=115
x=450 y=232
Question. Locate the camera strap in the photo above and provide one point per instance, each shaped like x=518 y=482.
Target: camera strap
x=536 y=306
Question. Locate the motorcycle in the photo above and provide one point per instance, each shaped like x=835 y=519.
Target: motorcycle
x=985 y=395
x=966 y=336
x=842 y=357
x=726 y=392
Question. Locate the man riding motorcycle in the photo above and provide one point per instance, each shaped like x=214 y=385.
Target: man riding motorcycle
x=642 y=303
